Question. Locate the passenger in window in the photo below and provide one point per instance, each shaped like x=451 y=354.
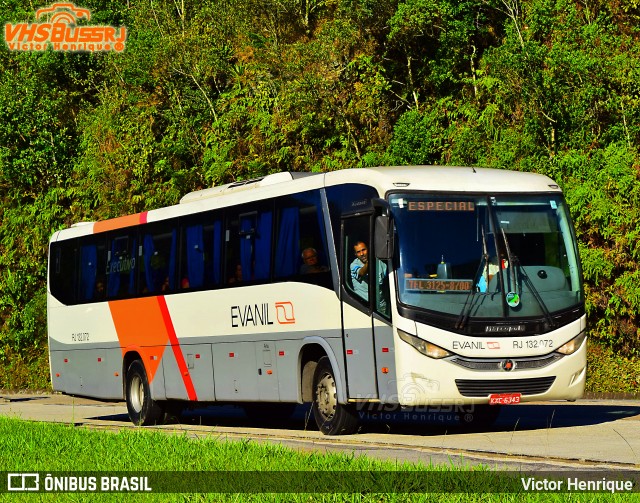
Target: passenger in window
x=99 y=293
x=236 y=277
x=165 y=285
x=310 y=262
x=360 y=271
x=184 y=284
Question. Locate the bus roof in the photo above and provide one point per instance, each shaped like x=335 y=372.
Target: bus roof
x=445 y=178
x=435 y=178
x=383 y=179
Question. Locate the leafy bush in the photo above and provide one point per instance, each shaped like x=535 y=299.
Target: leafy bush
x=608 y=372
x=24 y=370
x=603 y=191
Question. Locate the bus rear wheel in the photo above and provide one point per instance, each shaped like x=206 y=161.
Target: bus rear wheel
x=143 y=410
x=332 y=418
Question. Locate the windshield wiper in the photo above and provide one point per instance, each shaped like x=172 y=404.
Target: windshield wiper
x=482 y=270
x=516 y=266
x=512 y=297
x=550 y=323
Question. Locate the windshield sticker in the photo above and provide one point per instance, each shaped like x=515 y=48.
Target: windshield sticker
x=513 y=299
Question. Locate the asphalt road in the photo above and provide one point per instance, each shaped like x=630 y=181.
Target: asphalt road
x=583 y=435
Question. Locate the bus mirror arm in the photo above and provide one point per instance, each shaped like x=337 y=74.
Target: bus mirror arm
x=381 y=206
x=384 y=244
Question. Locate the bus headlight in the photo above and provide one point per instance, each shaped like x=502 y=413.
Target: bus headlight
x=573 y=345
x=424 y=347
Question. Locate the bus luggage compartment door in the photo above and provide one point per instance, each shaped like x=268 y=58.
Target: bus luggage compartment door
x=267 y=375
x=199 y=367
x=234 y=369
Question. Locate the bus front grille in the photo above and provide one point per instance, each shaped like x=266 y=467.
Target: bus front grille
x=483 y=388
x=493 y=364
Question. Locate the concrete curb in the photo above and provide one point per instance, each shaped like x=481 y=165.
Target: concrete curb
x=611 y=396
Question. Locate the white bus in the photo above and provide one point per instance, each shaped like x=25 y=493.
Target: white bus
x=400 y=286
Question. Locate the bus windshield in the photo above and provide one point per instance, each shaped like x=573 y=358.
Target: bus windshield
x=486 y=256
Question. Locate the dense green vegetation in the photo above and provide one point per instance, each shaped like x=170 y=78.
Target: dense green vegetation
x=177 y=466
x=212 y=91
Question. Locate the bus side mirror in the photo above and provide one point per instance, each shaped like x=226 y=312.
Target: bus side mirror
x=384 y=238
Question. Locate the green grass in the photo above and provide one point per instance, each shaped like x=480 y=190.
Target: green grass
x=58 y=449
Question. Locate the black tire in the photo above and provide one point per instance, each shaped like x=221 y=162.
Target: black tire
x=332 y=418
x=143 y=410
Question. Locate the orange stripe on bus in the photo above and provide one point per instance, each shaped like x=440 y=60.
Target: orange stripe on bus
x=146 y=326
x=140 y=324
x=175 y=345
x=120 y=222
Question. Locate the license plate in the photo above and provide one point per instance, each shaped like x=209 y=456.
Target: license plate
x=505 y=399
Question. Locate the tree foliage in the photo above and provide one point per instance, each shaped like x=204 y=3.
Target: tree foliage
x=213 y=91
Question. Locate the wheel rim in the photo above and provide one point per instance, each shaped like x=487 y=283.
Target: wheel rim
x=137 y=393
x=326 y=396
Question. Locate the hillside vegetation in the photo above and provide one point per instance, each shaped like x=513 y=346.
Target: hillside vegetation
x=212 y=91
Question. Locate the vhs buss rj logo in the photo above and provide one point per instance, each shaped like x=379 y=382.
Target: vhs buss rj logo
x=59 y=31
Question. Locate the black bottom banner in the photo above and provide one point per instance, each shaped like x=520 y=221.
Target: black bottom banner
x=410 y=481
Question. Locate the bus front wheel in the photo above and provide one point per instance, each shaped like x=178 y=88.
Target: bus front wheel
x=332 y=418
x=143 y=410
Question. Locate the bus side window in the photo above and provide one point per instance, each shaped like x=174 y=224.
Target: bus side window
x=287 y=260
x=301 y=244
x=91 y=280
x=157 y=262
x=121 y=266
x=248 y=244
x=88 y=273
x=356 y=258
x=62 y=273
x=201 y=253
x=383 y=300
x=364 y=275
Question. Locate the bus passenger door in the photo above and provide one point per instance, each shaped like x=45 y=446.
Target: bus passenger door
x=360 y=359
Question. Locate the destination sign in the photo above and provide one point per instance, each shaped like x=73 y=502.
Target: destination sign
x=437 y=285
x=441 y=205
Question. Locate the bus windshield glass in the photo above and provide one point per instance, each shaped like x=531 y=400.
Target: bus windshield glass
x=486 y=256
